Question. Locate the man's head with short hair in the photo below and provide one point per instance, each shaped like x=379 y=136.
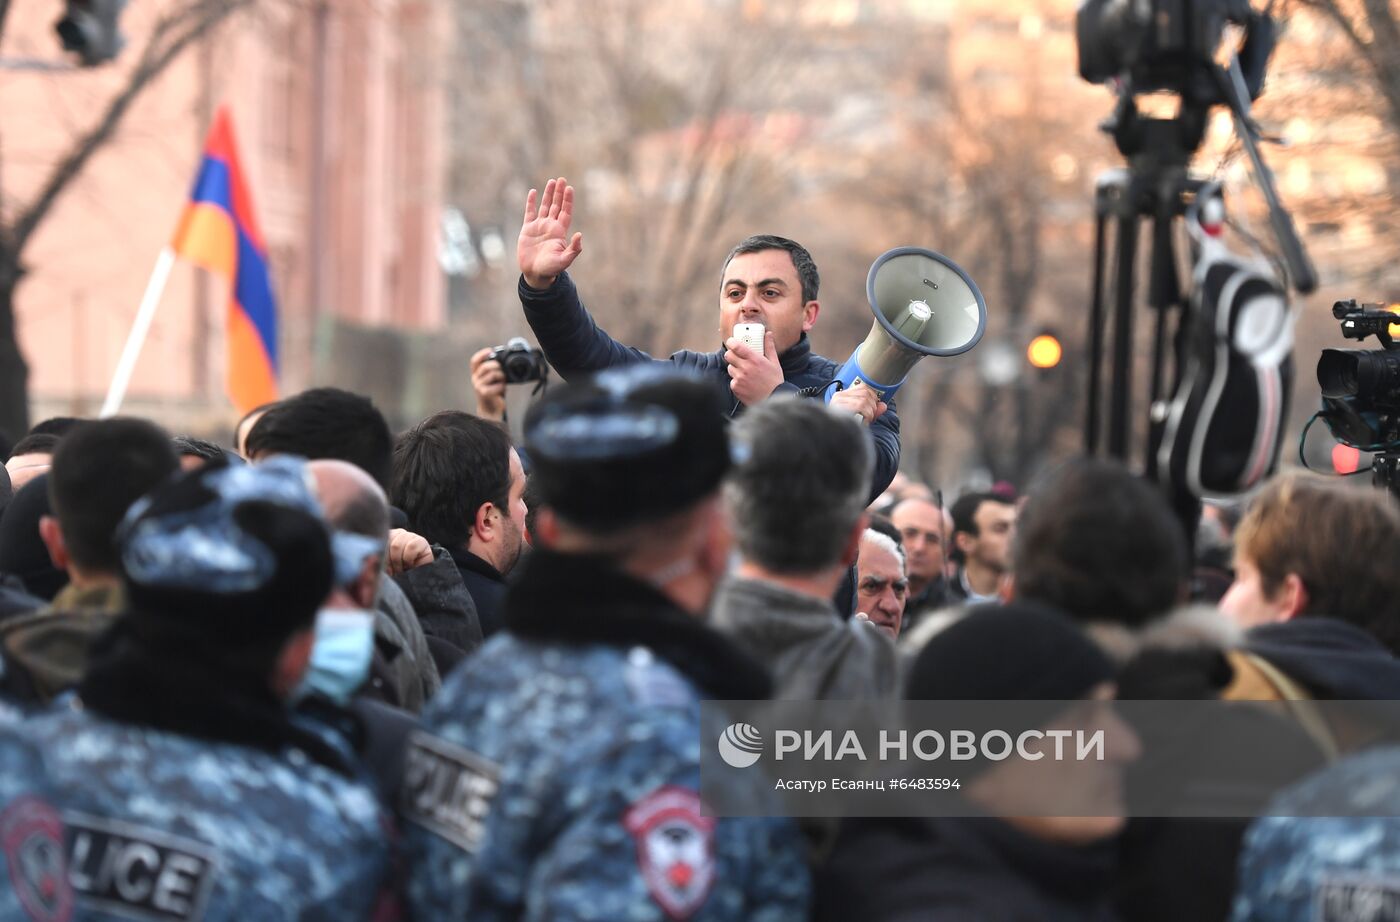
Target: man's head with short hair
x=22 y=550
x=628 y=465
x=882 y=590
x=773 y=281
x=461 y=484
x=353 y=503
x=326 y=422
x=925 y=529
x=797 y=496
x=1099 y=544
x=36 y=443
x=1311 y=547
x=884 y=526
x=245 y=426
x=983 y=524
x=57 y=426
x=802 y=261
x=99 y=470
x=195 y=452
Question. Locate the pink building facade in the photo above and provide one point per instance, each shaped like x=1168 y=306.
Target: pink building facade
x=341 y=116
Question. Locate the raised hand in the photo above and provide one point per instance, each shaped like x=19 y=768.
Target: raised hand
x=545 y=248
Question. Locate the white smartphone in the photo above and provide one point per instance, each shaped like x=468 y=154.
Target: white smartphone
x=751 y=335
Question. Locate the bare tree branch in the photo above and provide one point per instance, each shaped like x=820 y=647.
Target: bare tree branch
x=171 y=36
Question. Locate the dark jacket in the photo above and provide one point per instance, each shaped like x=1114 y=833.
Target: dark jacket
x=445 y=611
x=936 y=595
x=395 y=675
x=486 y=586
x=920 y=869
x=376 y=732
x=1334 y=660
x=575 y=345
x=1194 y=655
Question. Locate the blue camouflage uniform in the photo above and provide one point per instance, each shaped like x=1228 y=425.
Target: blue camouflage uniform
x=558 y=776
x=1337 y=862
x=163 y=826
x=33 y=879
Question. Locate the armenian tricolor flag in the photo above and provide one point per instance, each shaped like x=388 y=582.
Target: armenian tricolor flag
x=219 y=232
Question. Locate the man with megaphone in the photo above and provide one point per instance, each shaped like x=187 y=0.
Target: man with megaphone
x=766 y=279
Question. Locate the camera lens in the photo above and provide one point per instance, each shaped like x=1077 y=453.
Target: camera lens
x=1378 y=375
x=1336 y=372
x=1369 y=375
x=518 y=367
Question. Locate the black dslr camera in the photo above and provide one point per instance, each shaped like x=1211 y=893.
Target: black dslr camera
x=520 y=361
x=1361 y=387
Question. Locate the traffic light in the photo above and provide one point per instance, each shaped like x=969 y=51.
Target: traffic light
x=89 y=29
x=1045 y=351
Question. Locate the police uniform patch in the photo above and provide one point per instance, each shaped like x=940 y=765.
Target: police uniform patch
x=448 y=790
x=1357 y=898
x=31 y=832
x=675 y=848
x=136 y=871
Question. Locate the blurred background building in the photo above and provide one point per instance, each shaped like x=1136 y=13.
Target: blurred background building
x=340 y=110
x=390 y=145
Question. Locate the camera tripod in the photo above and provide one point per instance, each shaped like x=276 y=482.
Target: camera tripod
x=1156 y=185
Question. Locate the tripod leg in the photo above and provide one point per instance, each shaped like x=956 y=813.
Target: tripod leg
x=1092 y=423
x=1164 y=295
x=1120 y=385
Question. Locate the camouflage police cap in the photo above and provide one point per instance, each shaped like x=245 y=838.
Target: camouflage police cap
x=238 y=551
x=628 y=445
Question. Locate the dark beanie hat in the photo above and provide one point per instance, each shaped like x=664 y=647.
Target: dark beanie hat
x=1015 y=652
x=629 y=445
x=236 y=556
x=22 y=551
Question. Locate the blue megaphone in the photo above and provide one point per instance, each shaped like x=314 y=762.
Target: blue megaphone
x=924 y=304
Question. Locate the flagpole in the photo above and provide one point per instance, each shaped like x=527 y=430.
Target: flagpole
x=160 y=275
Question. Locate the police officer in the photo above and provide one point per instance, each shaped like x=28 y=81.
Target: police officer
x=186 y=790
x=33 y=874
x=559 y=774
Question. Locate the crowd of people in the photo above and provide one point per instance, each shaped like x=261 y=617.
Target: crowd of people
x=332 y=672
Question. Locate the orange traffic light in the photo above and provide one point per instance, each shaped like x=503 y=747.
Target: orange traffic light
x=1044 y=351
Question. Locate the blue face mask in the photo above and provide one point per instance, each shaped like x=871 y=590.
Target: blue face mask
x=340 y=654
